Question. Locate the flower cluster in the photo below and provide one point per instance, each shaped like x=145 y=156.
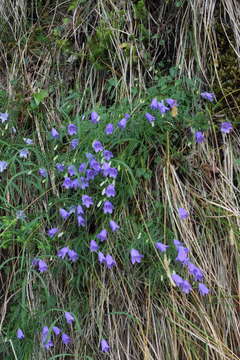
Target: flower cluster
x=77 y=177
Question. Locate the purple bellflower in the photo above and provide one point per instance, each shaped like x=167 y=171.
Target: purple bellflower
x=199 y=137
x=203 y=289
x=3 y=117
x=93 y=246
x=56 y=330
x=66 y=339
x=3 y=166
x=109 y=129
x=104 y=346
x=24 y=153
x=150 y=118
x=54 y=133
x=72 y=129
x=97 y=146
x=226 y=127
x=110 y=191
x=43 y=172
x=113 y=225
x=69 y=318
x=208 y=96
x=87 y=201
x=108 y=207
x=101 y=257
x=109 y=261
x=63 y=252
x=42 y=266
x=52 y=232
x=161 y=247
x=195 y=271
x=136 y=257
x=20 y=334
x=182 y=213
x=102 y=236
x=154 y=104
x=95 y=118
x=60 y=167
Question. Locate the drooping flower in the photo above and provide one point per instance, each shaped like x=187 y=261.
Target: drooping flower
x=81 y=221
x=110 y=191
x=177 y=279
x=161 y=247
x=127 y=116
x=89 y=156
x=177 y=243
x=226 y=127
x=102 y=236
x=3 y=166
x=43 y=172
x=66 y=339
x=72 y=170
x=154 y=104
x=108 y=207
x=72 y=129
x=54 y=133
x=42 y=266
x=185 y=287
x=64 y=213
x=107 y=170
x=203 y=289
x=195 y=271
x=69 y=318
x=79 y=210
x=107 y=155
x=56 y=330
x=28 y=141
x=109 y=261
x=83 y=184
x=199 y=137
x=208 y=96
x=104 y=346
x=150 y=118
x=109 y=129
x=60 y=167
x=182 y=213
x=113 y=225
x=135 y=256
x=87 y=201
x=97 y=146
x=24 y=153
x=93 y=246
x=53 y=231
x=4 y=117
x=101 y=257
x=82 y=167
x=73 y=256
x=67 y=183
x=122 y=123
x=63 y=252
x=171 y=102
x=47 y=343
x=20 y=334
x=94 y=164
x=74 y=143
x=162 y=108
x=182 y=255
x=95 y=118
x=90 y=174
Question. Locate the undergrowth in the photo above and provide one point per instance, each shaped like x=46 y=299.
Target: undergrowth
x=173 y=177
